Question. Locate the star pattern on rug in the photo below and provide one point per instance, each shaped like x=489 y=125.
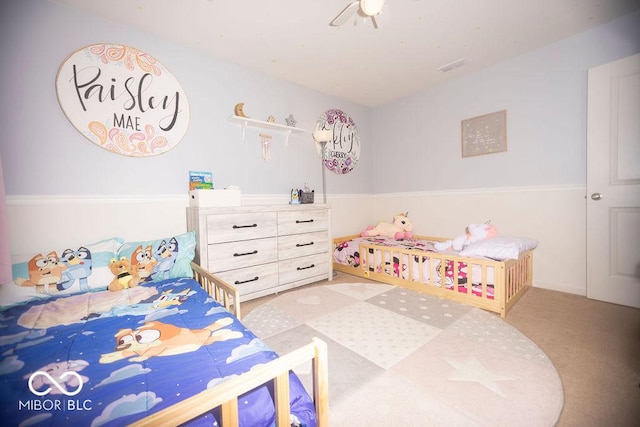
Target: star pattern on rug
x=463 y=362
x=471 y=370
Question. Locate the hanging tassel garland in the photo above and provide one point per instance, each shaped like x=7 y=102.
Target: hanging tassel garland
x=266 y=151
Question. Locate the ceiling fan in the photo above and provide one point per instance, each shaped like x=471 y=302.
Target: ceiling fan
x=364 y=8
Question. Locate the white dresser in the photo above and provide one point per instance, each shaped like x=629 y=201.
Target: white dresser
x=263 y=249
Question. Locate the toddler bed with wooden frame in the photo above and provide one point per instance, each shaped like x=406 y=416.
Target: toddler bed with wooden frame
x=182 y=355
x=479 y=281
x=225 y=396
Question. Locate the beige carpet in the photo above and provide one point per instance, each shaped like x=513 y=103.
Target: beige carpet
x=595 y=347
x=398 y=357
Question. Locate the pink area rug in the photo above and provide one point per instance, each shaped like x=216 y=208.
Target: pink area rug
x=398 y=357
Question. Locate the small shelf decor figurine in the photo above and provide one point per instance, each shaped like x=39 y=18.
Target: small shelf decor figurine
x=238 y=110
x=291 y=121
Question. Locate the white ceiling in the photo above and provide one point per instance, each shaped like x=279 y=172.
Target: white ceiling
x=292 y=39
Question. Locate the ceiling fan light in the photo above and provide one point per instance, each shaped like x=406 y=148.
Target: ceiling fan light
x=371 y=7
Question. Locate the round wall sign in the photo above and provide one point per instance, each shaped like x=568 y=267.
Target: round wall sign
x=342 y=151
x=123 y=100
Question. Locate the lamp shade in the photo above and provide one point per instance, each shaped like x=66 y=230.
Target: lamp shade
x=323 y=135
x=371 y=7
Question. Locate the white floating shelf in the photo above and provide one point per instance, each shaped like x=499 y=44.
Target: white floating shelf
x=243 y=122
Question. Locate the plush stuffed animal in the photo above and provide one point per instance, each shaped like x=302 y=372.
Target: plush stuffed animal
x=400 y=229
x=474 y=233
x=124 y=275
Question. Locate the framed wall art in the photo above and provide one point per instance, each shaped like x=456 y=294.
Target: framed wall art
x=342 y=151
x=123 y=100
x=486 y=134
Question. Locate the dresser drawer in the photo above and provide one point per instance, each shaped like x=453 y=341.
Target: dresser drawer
x=252 y=279
x=243 y=226
x=303 y=221
x=292 y=270
x=297 y=245
x=229 y=256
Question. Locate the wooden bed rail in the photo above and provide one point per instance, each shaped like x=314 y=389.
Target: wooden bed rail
x=435 y=272
x=223 y=292
x=425 y=271
x=225 y=395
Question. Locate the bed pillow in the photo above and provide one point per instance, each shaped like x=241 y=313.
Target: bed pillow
x=160 y=259
x=56 y=271
x=499 y=248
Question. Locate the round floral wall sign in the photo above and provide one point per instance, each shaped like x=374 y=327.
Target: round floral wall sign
x=342 y=152
x=123 y=100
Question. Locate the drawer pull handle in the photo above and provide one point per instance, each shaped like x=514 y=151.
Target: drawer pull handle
x=302 y=222
x=246 y=253
x=245 y=226
x=299 y=245
x=240 y=282
x=304 y=268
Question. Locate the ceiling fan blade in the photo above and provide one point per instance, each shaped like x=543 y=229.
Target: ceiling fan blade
x=383 y=18
x=346 y=14
x=374 y=21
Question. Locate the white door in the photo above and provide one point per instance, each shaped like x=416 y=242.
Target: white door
x=613 y=182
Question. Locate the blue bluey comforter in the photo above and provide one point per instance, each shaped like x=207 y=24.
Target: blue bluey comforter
x=111 y=358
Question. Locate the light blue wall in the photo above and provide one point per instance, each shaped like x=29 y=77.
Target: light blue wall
x=409 y=145
x=545 y=95
x=43 y=154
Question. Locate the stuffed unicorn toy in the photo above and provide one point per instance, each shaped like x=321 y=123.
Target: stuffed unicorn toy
x=474 y=233
x=399 y=230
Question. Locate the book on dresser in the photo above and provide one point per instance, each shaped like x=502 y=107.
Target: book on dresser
x=264 y=249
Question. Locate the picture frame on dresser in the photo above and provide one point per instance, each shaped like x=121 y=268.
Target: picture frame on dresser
x=264 y=249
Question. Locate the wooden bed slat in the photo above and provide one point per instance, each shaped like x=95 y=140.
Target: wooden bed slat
x=229 y=413
x=223 y=292
x=281 y=388
x=321 y=382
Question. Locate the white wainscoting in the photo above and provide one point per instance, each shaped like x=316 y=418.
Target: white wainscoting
x=41 y=223
x=555 y=216
x=37 y=223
